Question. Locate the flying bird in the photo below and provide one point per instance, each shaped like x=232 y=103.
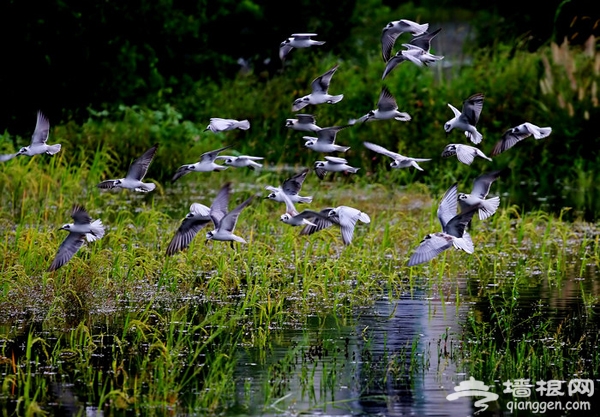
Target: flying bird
x=516 y=134
x=194 y=221
x=135 y=175
x=205 y=164
x=38 y=141
x=419 y=56
x=297 y=40
x=465 y=153
x=467 y=120
x=325 y=140
x=320 y=92
x=293 y=218
x=224 y=221
x=303 y=122
x=395 y=28
x=452 y=234
x=83 y=228
x=343 y=216
x=386 y=109
x=422 y=42
x=242 y=161
x=333 y=164
x=400 y=161
x=220 y=125
x=477 y=197
x=291 y=187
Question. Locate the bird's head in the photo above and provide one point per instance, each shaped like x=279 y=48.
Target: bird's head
x=289 y=123
x=395 y=164
x=23 y=150
x=66 y=227
x=117 y=183
x=285 y=217
x=210 y=235
x=463 y=196
x=319 y=164
x=229 y=161
x=284 y=43
x=447 y=127
x=332 y=213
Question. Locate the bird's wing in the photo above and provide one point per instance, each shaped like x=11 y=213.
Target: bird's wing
x=306 y=118
x=67 y=249
x=189 y=228
x=482 y=184
x=448 y=205
x=302 y=36
x=218 y=209
x=107 y=185
x=139 y=167
x=292 y=185
x=320 y=219
x=42 y=128
x=80 y=215
x=321 y=84
x=392 y=63
x=423 y=40
x=284 y=49
x=199 y=210
x=289 y=205
x=218 y=124
x=212 y=155
x=380 y=149
x=472 y=108
x=456 y=226
x=466 y=154
x=7 y=157
x=229 y=221
x=431 y=246
x=327 y=134
x=347 y=217
x=454 y=110
x=388 y=39
x=386 y=102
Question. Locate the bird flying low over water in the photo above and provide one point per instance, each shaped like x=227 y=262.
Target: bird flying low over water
x=303 y=122
x=325 y=140
x=38 y=141
x=477 y=197
x=400 y=161
x=467 y=120
x=205 y=164
x=194 y=221
x=516 y=134
x=320 y=92
x=291 y=187
x=220 y=125
x=224 y=221
x=297 y=40
x=395 y=28
x=135 y=175
x=452 y=234
x=83 y=228
x=343 y=216
x=465 y=153
x=333 y=164
x=386 y=109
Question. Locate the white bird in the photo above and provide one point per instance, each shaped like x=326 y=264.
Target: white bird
x=224 y=221
x=516 y=134
x=297 y=40
x=82 y=228
x=469 y=117
x=219 y=125
x=386 y=109
x=333 y=164
x=194 y=221
x=419 y=56
x=343 y=216
x=242 y=161
x=303 y=122
x=400 y=161
x=135 y=175
x=320 y=92
x=477 y=197
x=291 y=187
x=452 y=234
x=325 y=140
x=422 y=42
x=205 y=164
x=293 y=218
x=395 y=28
x=465 y=153
x=38 y=141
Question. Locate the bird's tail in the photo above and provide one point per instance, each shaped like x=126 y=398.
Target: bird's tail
x=414 y=164
x=318 y=43
x=474 y=137
x=488 y=207
x=52 y=149
x=146 y=187
x=542 y=132
x=420 y=29
x=243 y=124
x=307 y=199
x=464 y=243
x=352 y=170
x=403 y=117
x=97 y=231
x=343 y=148
x=336 y=99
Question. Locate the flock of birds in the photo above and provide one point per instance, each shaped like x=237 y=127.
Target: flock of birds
x=453 y=224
